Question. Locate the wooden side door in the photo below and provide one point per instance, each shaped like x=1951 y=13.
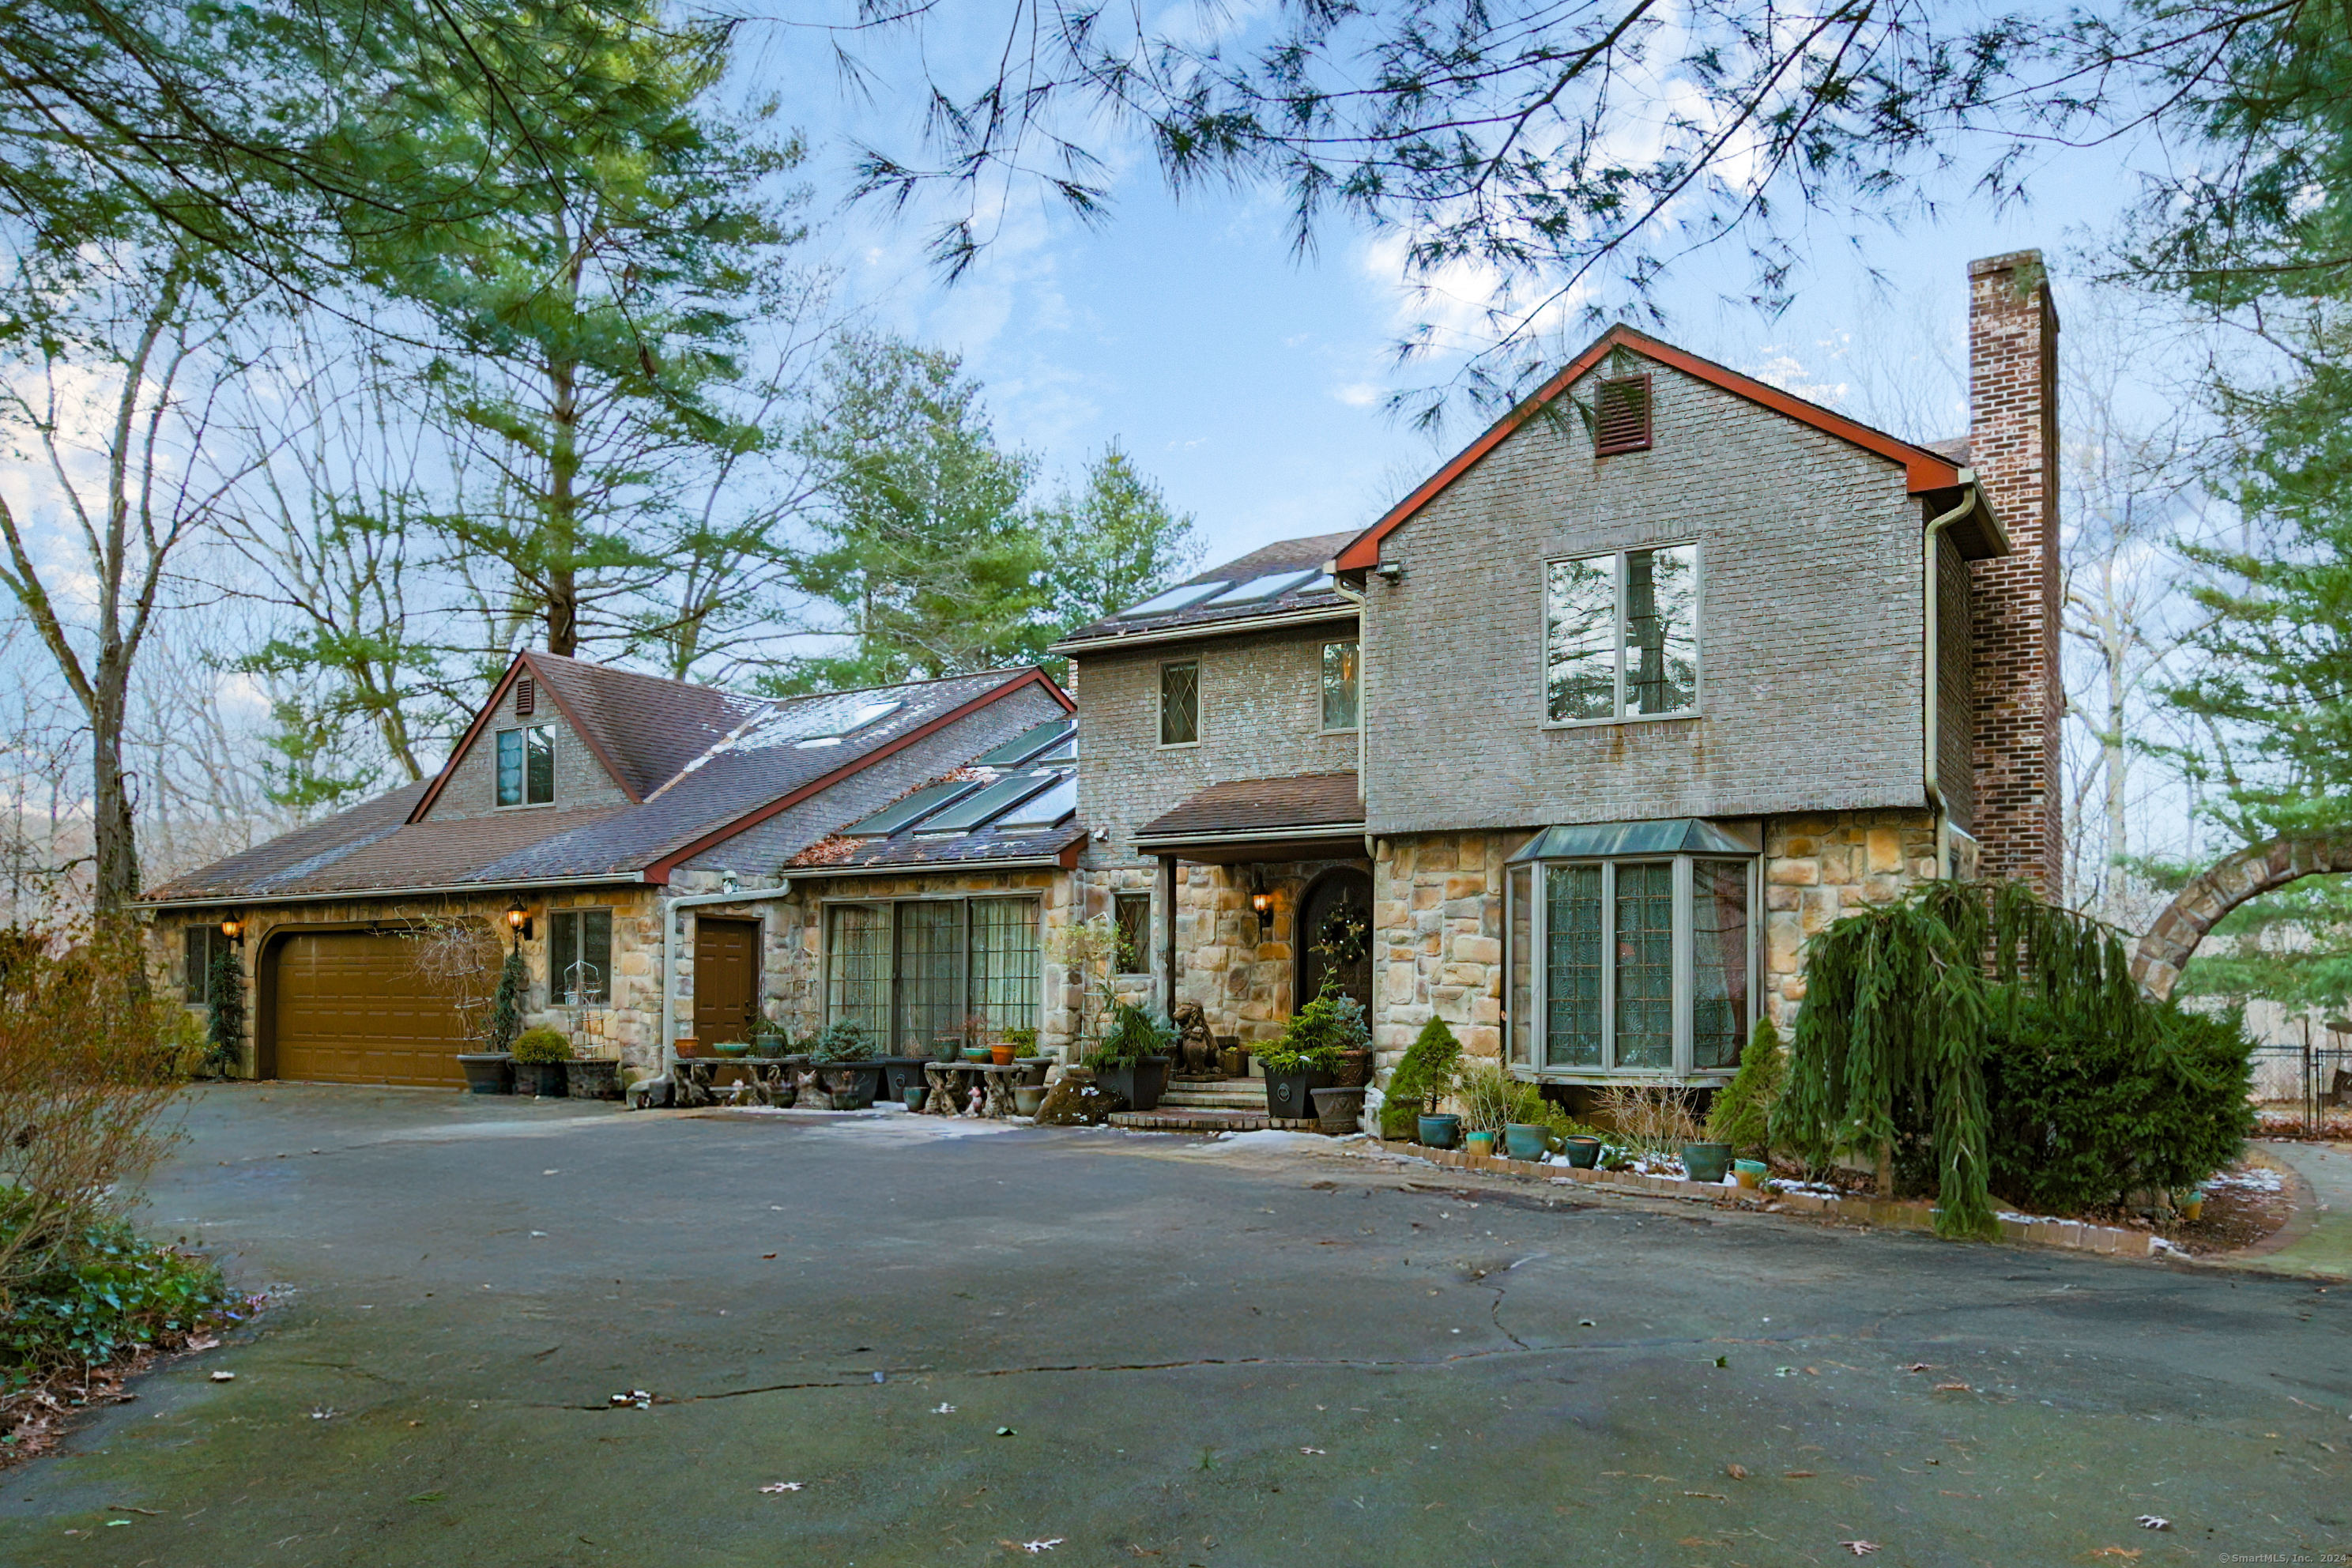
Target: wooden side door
x=726 y=978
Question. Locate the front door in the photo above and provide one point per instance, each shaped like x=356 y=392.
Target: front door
x=726 y=979
x=1334 y=936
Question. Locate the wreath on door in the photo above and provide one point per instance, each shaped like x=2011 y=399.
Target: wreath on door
x=1344 y=937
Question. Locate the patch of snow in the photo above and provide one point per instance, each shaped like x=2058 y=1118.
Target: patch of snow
x=2252 y=1179
x=1264 y=1139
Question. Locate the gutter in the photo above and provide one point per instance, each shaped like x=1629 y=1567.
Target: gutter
x=669 y=968
x=1930 y=726
x=508 y=884
x=1200 y=629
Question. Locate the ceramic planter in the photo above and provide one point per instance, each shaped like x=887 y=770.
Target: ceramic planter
x=488 y=1072
x=1583 y=1152
x=593 y=1077
x=913 y=1099
x=1288 y=1095
x=1232 y=1058
x=1524 y=1140
x=1480 y=1143
x=1707 y=1161
x=1033 y=1070
x=1140 y=1084
x=1337 y=1107
x=1441 y=1131
x=901 y=1074
x=853 y=1084
x=544 y=1080
x=1027 y=1097
x=1001 y=1056
x=1750 y=1172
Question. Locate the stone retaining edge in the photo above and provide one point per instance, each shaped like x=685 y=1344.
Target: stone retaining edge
x=2075 y=1234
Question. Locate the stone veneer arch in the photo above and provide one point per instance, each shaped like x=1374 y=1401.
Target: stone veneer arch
x=2250 y=873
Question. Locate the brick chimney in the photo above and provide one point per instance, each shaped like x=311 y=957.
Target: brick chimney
x=2013 y=447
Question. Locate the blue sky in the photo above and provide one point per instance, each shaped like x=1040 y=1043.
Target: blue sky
x=1250 y=382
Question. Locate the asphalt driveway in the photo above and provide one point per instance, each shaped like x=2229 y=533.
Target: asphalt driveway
x=875 y=1342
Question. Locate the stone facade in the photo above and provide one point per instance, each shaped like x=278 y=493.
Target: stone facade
x=1437 y=939
x=1817 y=868
x=1245 y=982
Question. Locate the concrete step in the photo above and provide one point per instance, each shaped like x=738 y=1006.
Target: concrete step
x=1237 y=1099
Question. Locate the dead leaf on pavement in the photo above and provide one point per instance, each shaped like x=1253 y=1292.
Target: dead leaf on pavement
x=1736 y=1472
x=1951 y=1388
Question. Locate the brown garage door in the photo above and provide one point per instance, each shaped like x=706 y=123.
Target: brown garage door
x=349 y=1010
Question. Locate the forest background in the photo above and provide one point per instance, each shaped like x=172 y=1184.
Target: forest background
x=346 y=350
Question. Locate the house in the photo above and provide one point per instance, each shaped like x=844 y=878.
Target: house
x=630 y=837
x=1577 y=744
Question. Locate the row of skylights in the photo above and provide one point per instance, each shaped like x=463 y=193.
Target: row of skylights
x=1028 y=800
x=1031 y=745
x=1174 y=599
x=1273 y=586
x=1222 y=594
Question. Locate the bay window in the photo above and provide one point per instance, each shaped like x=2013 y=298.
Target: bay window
x=1632 y=949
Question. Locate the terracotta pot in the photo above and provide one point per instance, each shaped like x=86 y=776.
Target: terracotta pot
x=1001 y=1056
x=689 y=1050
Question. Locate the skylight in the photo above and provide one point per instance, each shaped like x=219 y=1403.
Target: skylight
x=912 y=809
x=1271 y=587
x=872 y=712
x=985 y=806
x=1029 y=743
x=1174 y=599
x=1044 y=810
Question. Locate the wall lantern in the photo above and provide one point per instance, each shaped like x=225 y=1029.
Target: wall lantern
x=1264 y=904
x=519 y=920
x=233 y=929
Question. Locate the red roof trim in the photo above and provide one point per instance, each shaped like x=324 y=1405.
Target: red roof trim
x=1922 y=470
x=659 y=870
x=481 y=721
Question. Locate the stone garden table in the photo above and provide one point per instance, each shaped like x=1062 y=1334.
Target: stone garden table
x=951 y=1084
x=764 y=1076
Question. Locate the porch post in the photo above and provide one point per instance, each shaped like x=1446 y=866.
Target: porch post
x=1168 y=903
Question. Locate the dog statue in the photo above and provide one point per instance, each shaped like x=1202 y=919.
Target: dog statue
x=1196 y=1048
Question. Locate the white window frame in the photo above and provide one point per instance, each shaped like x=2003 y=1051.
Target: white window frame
x=1535 y=1063
x=890 y=901
x=1617 y=634
x=525 y=802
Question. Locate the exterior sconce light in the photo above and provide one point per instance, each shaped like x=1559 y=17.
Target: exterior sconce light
x=519 y=921
x=1264 y=904
x=233 y=929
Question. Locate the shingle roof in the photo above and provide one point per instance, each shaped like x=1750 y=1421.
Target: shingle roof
x=844 y=856
x=1310 y=554
x=748 y=768
x=1262 y=805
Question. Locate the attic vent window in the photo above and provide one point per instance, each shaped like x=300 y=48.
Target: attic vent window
x=1622 y=415
x=526 y=698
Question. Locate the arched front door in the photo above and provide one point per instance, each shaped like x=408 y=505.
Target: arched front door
x=1334 y=936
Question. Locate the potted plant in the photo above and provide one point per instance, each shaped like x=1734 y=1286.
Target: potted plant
x=1354 y=1066
x=1740 y=1120
x=1421 y=1083
x=1132 y=1060
x=852 y=1072
x=490 y=1070
x=1023 y=1041
x=1304 y=1059
x=593 y=1077
x=539 y=1056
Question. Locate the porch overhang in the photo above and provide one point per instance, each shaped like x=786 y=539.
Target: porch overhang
x=1303 y=817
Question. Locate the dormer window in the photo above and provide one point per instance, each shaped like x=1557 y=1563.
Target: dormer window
x=527 y=765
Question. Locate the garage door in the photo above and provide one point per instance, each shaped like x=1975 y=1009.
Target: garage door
x=349 y=1010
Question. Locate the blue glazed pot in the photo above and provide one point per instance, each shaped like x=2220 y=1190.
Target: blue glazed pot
x=1523 y=1140
x=1442 y=1131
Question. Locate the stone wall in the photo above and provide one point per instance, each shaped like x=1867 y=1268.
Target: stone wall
x=1437 y=939
x=1817 y=867
x=1243 y=980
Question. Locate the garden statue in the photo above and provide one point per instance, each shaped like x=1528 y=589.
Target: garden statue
x=1196 y=1047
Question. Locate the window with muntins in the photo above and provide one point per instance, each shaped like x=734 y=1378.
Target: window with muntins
x=1134 y=915
x=1638 y=965
x=1180 y=703
x=1339 y=685
x=580 y=958
x=198 y=943
x=1621 y=635
x=527 y=765
x=910 y=973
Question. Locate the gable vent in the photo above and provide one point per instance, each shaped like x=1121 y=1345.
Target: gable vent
x=1622 y=424
x=527 y=696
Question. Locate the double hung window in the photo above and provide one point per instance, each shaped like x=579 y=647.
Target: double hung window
x=911 y=971
x=527 y=765
x=1633 y=962
x=580 y=958
x=1621 y=635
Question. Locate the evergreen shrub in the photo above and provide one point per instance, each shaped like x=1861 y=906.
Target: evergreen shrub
x=1430 y=1071
x=542 y=1046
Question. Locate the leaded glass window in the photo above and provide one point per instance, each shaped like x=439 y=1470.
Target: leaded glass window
x=913 y=972
x=1004 y=961
x=1519 y=1000
x=1621 y=635
x=858 y=966
x=1572 y=998
x=1719 y=956
x=1133 y=911
x=1645 y=965
x=1180 y=703
x=1341 y=694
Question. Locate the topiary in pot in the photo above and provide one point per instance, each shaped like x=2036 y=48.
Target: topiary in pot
x=848 y=1049
x=539 y=1058
x=1421 y=1083
x=1742 y=1113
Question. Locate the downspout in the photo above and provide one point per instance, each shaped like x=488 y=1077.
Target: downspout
x=1168 y=881
x=669 y=966
x=1929 y=728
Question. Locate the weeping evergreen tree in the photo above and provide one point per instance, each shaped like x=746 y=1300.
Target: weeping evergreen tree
x=1906 y=1004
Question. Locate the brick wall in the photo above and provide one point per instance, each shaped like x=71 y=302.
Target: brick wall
x=2013 y=445
x=580 y=779
x=1809 y=636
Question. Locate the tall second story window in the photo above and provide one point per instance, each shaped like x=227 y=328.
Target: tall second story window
x=1339 y=691
x=1180 y=703
x=527 y=765
x=1621 y=635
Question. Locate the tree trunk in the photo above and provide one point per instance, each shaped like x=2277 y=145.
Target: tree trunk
x=114 y=844
x=562 y=544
